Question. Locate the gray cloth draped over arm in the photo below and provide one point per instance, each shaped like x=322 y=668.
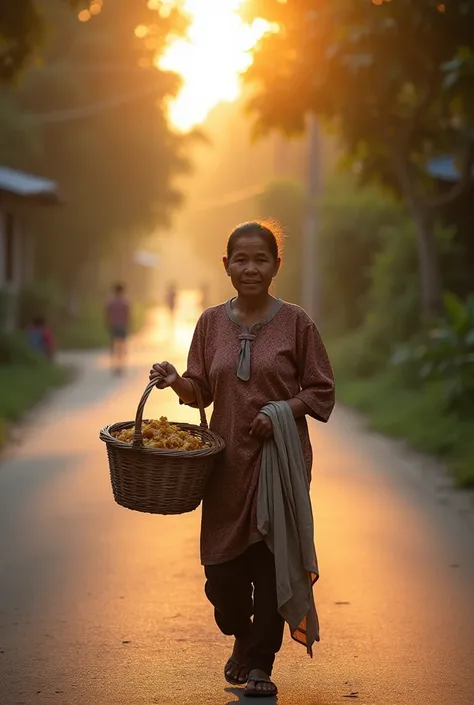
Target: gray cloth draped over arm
x=285 y=520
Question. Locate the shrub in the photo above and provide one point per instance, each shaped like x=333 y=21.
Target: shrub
x=5 y=303
x=353 y=357
x=43 y=298
x=14 y=349
x=355 y=225
x=447 y=356
x=390 y=313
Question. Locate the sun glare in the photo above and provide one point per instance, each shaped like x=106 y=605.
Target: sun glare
x=211 y=58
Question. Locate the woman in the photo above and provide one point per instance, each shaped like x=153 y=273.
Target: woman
x=245 y=353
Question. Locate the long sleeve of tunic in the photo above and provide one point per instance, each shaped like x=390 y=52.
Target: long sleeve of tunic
x=288 y=359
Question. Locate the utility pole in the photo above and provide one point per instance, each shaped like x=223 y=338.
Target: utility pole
x=309 y=251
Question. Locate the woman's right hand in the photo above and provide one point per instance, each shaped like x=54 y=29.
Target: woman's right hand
x=164 y=374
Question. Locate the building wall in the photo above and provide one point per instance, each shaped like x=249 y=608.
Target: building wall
x=15 y=257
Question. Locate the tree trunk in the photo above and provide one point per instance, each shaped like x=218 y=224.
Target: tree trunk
x=429 y=264
x=428 y=255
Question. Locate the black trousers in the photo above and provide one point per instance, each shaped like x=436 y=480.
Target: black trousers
x=243 y=588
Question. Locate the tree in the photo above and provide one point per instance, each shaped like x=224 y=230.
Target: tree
x=21 y=32
x=395 y=81
x=96 y=113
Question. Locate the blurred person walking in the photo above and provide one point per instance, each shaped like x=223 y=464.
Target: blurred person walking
x=171 y=296
x=204 y=296
x=253 y=356
x=117 y=316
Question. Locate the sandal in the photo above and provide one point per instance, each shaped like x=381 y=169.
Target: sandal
x=232 y=681
x=260 y=693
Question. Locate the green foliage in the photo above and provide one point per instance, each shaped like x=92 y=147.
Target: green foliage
x=390 y=76
x=392 y=303
x=355 y=357
x=23 y=385
x=396 y=82
x=85 y=333
x=92 y=117
x=21 y=33
x=369 y=265
x=19 y=133
x=89 y=331
x=393 y=300
x=448 y=356
x=15 y=350
x=418 y=415
x=355 y=226
x=44 y=298
x=434 y=411
x=5 y=302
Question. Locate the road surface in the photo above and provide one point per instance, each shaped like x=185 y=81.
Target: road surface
x=102 y=606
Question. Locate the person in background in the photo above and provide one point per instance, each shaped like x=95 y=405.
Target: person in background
x=117 y=315
x=204 y=296
x=40 y=338
x=171 y=295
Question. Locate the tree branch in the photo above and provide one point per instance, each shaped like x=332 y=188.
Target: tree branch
x=422 y=107
x=403 y=171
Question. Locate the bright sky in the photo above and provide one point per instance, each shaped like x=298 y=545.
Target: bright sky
x=211 y=58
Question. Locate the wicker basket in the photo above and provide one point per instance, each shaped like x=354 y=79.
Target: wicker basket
x=155 y=480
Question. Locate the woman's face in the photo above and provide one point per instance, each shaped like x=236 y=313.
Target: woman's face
x=251 y=266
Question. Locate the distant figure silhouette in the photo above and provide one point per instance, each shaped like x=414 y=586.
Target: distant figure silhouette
x=171 y=296
x=117 y=315
x=204 y=297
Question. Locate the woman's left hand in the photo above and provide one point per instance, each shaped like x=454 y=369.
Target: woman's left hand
x=262 y=427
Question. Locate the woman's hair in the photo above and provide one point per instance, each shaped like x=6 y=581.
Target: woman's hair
x=268 y=230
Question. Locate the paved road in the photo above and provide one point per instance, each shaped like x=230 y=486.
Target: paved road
x=101 y=606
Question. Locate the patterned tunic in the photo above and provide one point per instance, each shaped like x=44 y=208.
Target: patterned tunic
x=288 y=359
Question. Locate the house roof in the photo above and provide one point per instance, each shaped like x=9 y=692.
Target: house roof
x=444 y=169
x=28 y=186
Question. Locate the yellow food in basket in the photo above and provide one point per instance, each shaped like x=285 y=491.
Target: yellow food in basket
x=162 y=434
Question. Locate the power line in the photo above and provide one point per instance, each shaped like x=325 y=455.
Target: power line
x=97 y=68
x=72 y=114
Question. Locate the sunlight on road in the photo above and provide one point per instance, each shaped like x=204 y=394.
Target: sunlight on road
x=186 y=316
x=166 y=335
x=173 y=335
x=106 y=606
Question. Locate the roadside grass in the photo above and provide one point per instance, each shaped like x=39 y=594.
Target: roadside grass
x=23 y=386
x=25 y=379
x=416 y=415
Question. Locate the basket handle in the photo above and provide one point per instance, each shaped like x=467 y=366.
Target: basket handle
x=138 y=437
